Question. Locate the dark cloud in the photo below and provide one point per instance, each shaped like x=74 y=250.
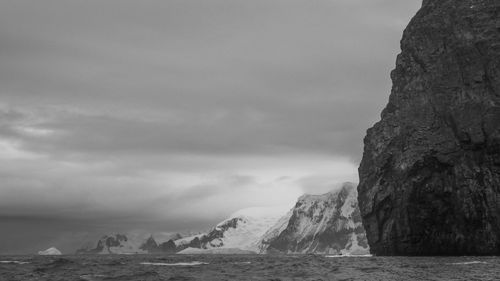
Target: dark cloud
x=172 y=114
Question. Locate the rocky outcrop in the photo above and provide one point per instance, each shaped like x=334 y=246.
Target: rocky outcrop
x=150 y=245
x=168 y=247
x=112 y=244
x=430 y=174
x=328 y=223
x=131 y=244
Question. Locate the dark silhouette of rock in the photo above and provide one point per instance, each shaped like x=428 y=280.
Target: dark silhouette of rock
x=430 y=174
x=150 y=245
x=105 y=243
x=168 y=247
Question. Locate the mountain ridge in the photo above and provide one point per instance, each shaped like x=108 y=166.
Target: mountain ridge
x=261 y=229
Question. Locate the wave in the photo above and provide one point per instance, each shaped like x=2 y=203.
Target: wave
x=89 y=277
x=468 y=262
x=348 y=256
x=174 y=264
x=14 y=262
x=148 y=275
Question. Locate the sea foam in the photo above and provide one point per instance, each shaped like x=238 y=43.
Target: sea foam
x=174 y=264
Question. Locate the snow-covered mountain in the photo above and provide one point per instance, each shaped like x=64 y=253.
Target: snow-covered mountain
x=242 y=230
x=328 y=223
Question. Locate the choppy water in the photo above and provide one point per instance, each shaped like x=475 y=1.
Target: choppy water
x=246 y=267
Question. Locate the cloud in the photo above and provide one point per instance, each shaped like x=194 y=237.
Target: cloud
x=172 y=114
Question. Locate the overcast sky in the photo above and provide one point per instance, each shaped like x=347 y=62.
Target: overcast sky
x=170 y=115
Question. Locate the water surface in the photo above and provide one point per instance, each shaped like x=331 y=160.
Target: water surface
x=246 y=267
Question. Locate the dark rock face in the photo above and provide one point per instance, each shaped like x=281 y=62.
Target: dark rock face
x=168 y=247
x=150 y=245
x=430 y=174
x=105 y=243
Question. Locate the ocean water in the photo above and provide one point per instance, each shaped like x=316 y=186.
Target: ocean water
x=246 y=267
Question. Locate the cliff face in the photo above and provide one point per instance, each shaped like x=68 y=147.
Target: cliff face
x=328 y=223
x=430 y=174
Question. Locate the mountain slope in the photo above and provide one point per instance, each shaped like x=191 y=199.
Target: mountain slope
x=242 y=230
x=329 y=223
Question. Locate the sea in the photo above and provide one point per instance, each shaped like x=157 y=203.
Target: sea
x=246 y=267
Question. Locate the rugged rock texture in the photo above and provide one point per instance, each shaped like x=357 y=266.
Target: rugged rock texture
x=168 y=247
x=328 y=223
x=430 y=174
x=111 y=244
x=150 y=245
x=131 y=244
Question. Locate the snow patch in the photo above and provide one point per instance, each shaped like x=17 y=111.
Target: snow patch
x=348 y=256
x=468 y=262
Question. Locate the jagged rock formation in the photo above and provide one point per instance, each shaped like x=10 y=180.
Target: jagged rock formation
x=329 y=223
x=430 y=174
x=150 y=245
x=168 y=247
x=113 y=244
x=130 y=244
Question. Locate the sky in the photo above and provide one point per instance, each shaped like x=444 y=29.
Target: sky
x=168 y=116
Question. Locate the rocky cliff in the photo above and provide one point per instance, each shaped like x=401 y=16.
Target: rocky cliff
x=328 y=223
x=430 y=174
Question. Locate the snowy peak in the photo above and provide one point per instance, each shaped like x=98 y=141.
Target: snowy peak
x=328 y=223
x=242 y=230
